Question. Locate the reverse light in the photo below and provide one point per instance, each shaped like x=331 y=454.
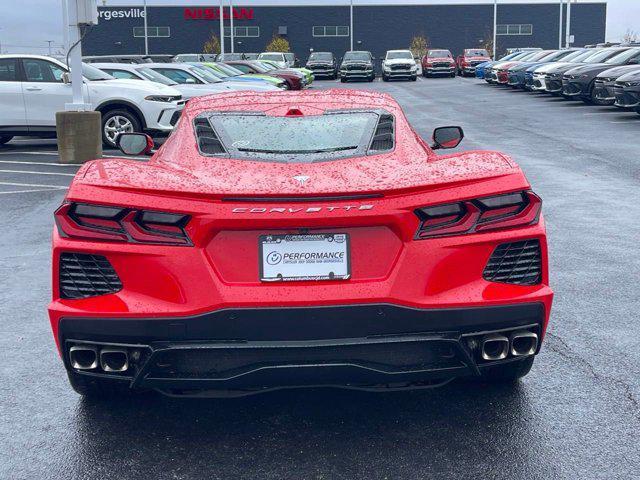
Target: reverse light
x=120 y=224
x=488 y=213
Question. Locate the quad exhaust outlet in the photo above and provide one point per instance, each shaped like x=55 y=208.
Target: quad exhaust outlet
x=494 y=347
x=105 y=358
x=523 y=343
x=83 y=357
x=114 y=359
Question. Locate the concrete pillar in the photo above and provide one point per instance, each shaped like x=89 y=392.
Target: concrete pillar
x=79 y=136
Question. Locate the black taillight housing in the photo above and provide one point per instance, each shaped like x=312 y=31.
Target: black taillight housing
x=508 y=210
x=121 y=224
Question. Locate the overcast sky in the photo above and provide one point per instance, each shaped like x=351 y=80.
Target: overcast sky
x=26 y=26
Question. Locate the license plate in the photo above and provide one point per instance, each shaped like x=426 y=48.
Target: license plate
x=323 y=256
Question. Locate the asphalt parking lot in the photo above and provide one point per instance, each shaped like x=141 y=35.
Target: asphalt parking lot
x=576 y=415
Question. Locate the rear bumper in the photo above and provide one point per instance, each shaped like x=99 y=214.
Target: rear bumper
x=250 y=350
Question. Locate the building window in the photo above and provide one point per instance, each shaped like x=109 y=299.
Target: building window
x=152 y=32
x=330 y=31
x=242 y=32
x=515 y=29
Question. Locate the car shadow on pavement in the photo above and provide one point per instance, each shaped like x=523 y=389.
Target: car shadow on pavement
x=319 y=427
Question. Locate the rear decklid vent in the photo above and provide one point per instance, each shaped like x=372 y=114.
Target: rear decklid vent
x=384 y=136
x=516 y=262
x=208 y=140
x=84 y=275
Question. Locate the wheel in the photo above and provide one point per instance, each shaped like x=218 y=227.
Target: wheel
x=115 y=122
x=595 y=100
x=509 y=372
x=343 y=80
x=371 y=79
x=425 y=74
x=92 y=387
x=385 y=78
x=5 y=138
x=453 y=75
x=414 y=78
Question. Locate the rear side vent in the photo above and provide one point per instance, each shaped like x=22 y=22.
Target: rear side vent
x=83 y=275
x=517 y=262
x=383 y=138
x=208 y=141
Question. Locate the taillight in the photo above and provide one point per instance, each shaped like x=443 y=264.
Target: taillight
x=120 y=224
x=479 y=215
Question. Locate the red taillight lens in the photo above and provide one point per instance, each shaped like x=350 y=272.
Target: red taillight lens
x=479 y=215
x=98 y=222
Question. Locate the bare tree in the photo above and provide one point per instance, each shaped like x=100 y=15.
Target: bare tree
x=631 y=36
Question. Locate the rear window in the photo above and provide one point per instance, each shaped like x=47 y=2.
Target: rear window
x=291 y=139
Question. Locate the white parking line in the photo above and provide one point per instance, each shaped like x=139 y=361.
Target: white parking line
x=602 y=113
x=29 y=153
x=39 y=173
x=33 y=185
x=42 y=163
x=30 y=191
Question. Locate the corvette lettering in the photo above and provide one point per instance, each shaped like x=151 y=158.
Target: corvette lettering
x=301 y=209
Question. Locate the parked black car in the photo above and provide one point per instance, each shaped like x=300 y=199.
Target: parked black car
x=357 y=65
x=579 y=82
x=627 y=91
x=605 y=82
x=323 y=64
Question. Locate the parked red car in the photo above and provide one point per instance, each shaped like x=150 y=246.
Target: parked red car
x=295 y=80
x=293 y=239
x=470 y=58
x=438 y=62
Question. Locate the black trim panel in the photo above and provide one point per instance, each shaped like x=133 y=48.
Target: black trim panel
x=301 y=323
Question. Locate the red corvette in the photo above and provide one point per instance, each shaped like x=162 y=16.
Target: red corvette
x=297 y=239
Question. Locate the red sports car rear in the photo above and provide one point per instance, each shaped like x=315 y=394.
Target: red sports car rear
x=298 y=239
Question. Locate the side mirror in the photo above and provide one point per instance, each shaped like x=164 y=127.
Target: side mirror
x=190 y=80
x=66 y=78
x=633 y=61
x=447 y=137
x=134 y=143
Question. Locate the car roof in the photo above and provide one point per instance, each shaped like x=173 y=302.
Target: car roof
x=122 y=66
x=26 y=55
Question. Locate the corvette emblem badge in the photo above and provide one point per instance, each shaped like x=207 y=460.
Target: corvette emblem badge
x=301 y=179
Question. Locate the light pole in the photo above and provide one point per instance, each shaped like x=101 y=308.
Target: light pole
x=49 y=43
x=560 y=22
x=231 y=18
x=146 y=38
x=221 y=13
x=568 y=42
x=495 y=28
x=351 y=23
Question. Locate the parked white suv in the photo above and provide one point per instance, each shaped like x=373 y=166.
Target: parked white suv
x=33 y=89
x=399 y=64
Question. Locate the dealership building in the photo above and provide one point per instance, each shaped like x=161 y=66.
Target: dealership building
x=184 y=26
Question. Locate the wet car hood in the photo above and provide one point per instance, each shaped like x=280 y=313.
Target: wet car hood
x=619 y=71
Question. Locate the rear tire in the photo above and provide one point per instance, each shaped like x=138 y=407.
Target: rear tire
x=5 y=138
x=123 y=119
x=509 y=372
x=98 y=388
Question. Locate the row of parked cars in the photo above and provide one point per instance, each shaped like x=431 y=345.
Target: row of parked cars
x=599 y=76
x=132 y=97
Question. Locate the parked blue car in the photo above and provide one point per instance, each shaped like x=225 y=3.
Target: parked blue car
x=480 y=69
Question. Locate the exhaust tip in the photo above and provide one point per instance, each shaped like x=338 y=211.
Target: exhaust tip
x=523 y=343
x=114 y=359
x=494 y=347
x=83 y=357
